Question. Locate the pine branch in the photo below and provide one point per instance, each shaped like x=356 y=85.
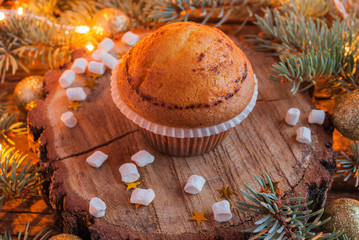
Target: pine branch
x=135 y=10
x=289 y=32
x=26 y=39
x=306 y=68
x=8 y=57
x=310 y=50
x=282 y=218
x=309 y=8
x=39 y=39
x=348 y=166
x=18 y=176
x=9 y=129
x=345 y=237
x=43 y=8
x=3 y=105
x=42 y=235
x=81 y=12
x=346 y=79
x=7 y=126
x=182 y=10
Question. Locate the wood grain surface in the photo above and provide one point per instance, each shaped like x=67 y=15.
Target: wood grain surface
x=262 y=143
x=15 y=215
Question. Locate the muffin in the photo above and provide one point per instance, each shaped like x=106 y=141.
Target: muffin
x=187 y=84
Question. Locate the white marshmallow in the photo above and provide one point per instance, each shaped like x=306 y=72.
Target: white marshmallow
x=129 y=172
x=97 y=207
x=107 y=44
x=304 y=135
x=292 y=116
x=98 y=54
x=67 y=78
x=69 y=119
x=109 y=60
x=222 y=211
x=76 y=94
x=97 y=159
x=194 y=184
x=79 y=65
x=316 y=116
x=142 y=158
x=96 y=67
x=142 y=196
x=130 y=38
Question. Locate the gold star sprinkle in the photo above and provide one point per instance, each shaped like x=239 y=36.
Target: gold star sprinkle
x=94 y=76
x=198 y=217
x=132 y=185
x=74 y=105
x=226 y=193
x=91 y=83
x=137 y=205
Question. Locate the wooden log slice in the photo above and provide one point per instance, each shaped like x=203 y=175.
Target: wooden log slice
x=261 y=143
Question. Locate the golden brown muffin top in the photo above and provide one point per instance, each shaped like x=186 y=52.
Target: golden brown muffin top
x=186 y=75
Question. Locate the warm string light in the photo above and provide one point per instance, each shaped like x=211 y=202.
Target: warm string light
x=20 y=11
x=78 y=29
x=98 y=30
x=90 y=47
x=82 y=29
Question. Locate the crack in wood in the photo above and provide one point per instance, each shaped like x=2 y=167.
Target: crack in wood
x=294 y=156
x=271 y=100
x=98 y=146
x=296 y=185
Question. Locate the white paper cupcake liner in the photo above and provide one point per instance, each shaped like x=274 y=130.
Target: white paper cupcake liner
x=173 y=131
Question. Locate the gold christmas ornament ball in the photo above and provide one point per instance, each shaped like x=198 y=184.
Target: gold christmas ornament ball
x=109 y=21
x=65 y=236
x=346 y=115
x=344 y=213
x=27 y=92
